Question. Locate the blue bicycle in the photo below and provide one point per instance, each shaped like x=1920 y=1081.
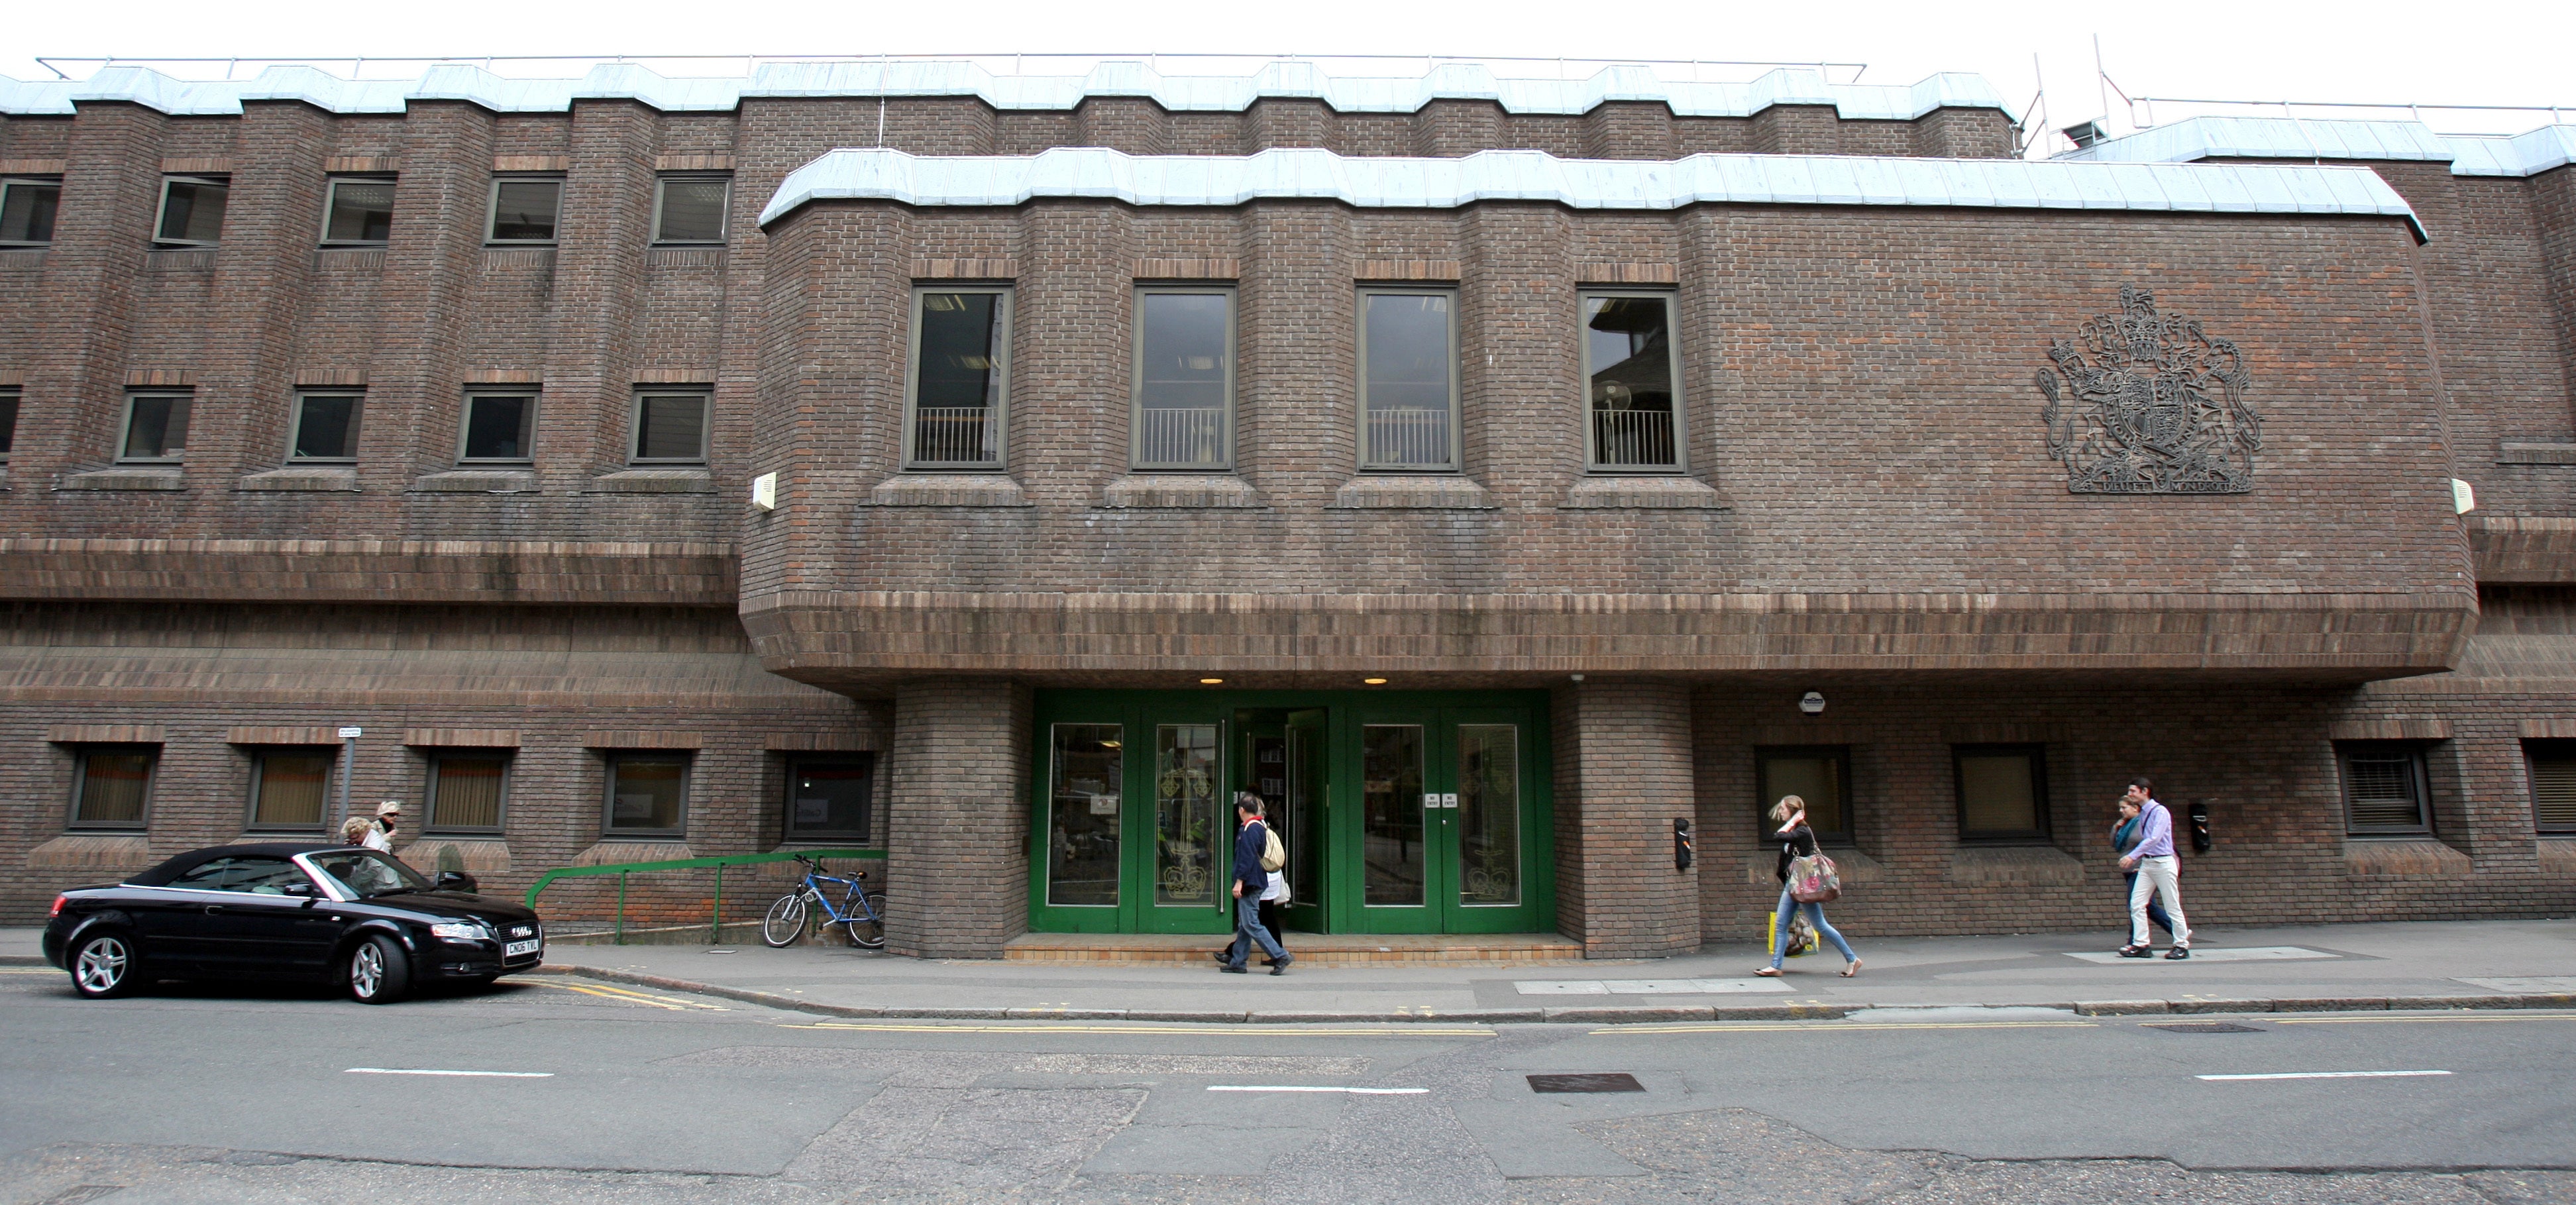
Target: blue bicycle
x=860 y=911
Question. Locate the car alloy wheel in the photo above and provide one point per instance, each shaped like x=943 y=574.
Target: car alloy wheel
x=366 y=971
x=379 y=972
x=103 y=966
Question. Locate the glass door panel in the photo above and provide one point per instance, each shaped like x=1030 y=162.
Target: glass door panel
x=1303 y=831
x=1084 y=783
x=1188 y=834
x=1391 y=802
x=1488 y=818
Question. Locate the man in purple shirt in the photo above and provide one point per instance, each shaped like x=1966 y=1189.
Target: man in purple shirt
x=2158 y=872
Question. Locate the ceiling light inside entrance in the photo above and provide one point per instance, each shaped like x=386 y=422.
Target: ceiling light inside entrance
x=1374 y=681
x=1211 y=681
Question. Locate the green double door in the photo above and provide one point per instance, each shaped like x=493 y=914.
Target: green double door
x=1401 y=812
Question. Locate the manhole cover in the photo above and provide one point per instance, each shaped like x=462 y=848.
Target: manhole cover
x=2208 y=1027
x=1597 y=1081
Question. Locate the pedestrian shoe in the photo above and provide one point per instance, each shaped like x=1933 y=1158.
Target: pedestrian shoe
x=2178 y=953
x=2137 y=952
x=1232 y=969
x=1218 y=955
x=1281 y=967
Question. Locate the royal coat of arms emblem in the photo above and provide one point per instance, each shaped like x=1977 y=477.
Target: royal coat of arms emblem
x=2147 y=403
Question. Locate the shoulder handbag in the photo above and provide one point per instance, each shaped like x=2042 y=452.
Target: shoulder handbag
x=1814 y=879
x=1273 y=854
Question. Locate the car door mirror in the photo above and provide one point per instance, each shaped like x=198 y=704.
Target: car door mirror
x=456 y=880
x=305 y=890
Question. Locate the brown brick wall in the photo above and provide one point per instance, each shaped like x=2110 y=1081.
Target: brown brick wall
x=1623 y=776
x=959 y=833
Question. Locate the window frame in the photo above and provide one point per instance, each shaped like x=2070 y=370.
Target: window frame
x=1136 y=377
x=492 y=210
x=611 y=759
x=2038 y=754
x=80 y=781
x=1360 y=358
x=1671 y=299
x=259 y=755
x=161 y=212
x=1765 y=796
x=295 y=425
x=429 y=792
x=2534 y=750
x=12 y=402
x=789 y=834
x=706 y=399
x=465 y=423
x=1001 y=356
x=331 y=204
x=55 y=183
x=2418 y=772
x=125 y=425
x=724 y=220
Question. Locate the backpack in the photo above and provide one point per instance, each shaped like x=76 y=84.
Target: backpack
x=1273 y=854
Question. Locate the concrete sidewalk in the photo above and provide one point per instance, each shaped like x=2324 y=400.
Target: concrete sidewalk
x=2417 y=965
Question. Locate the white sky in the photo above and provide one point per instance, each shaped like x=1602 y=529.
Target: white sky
x=2458 y=52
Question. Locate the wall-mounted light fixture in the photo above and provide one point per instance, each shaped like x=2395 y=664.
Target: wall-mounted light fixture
x=1211 y=681
x=1811 y=703
x=764 y=491
x=1373 y=681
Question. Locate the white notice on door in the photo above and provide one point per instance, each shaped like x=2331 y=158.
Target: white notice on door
x=1104 y=805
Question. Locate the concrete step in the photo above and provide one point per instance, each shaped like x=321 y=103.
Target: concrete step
x=1310 y=949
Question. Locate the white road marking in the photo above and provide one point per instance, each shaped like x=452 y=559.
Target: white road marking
x=2226 y=954
x=2324 y=1075
x=2535 y=984
x=1316 y=1088
x=428 y=1071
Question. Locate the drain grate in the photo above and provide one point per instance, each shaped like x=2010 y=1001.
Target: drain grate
x=1593 y=1081
x=2209 y=1027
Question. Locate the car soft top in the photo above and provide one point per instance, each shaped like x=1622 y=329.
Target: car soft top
x=162 y=874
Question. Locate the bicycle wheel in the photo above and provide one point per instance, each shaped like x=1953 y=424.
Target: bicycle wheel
x=785 y=922
x=869 y=934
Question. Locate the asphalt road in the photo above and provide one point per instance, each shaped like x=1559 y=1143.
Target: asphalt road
x=620 y=1094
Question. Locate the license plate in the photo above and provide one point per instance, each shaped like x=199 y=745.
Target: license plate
x=516 y=948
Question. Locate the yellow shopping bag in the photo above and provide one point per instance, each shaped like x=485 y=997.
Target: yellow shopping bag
x=1802 y=936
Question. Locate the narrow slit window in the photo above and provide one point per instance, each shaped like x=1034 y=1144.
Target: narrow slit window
x=1408 y=381
x=156 y=429
x=8 y=422
x=499 y=428
x=326 y=427
x=960 y=378
x=524 y=211
x=690 y=209
x=112 y=785
x=1184 y=380
x=27 y=212
x=671 y=428
x=192 y=211
x=1633 y=406
x=361 y=213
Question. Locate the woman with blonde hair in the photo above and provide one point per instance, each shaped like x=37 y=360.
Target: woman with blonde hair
x=1799 y=841
x=354 y=830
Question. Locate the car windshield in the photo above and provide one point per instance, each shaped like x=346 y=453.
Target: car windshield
x=366 y=873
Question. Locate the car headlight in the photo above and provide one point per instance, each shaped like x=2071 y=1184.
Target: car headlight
x=460 y=930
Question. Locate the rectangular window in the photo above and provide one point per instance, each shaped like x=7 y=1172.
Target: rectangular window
x=192 y=211
x=465 y=791
x=671 y=428
x=2553 y=784
x=960 y=378
x=1408 y=381
x=2003 y=792
x=499 y=429
x=156 y=429
x=111 y=785
x=690 y=209
x=1818 y=774
x=361 y=210
x=27 y=212
x=1633 y=383
x=8 y=422
x=827 y=798
x=648 y=793
x=289 y=787
x=2384 y=788
x=524 y=210
x=326 y=427
x=1184 y=379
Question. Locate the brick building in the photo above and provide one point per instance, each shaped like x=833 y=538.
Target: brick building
x=1490 y=472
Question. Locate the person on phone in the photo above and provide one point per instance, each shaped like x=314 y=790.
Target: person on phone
x=2159 y=874
x=2124 y=837
x=1799 y=841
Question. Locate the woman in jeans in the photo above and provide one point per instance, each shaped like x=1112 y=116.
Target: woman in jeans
x=1799 y=841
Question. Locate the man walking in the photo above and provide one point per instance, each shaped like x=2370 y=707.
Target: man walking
x=2159 y=873
x=1251 y=840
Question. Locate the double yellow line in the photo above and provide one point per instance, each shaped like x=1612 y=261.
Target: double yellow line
x=625 y=996
x=1388 y=1031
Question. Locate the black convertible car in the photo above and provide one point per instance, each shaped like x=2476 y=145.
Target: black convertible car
x=312 y=913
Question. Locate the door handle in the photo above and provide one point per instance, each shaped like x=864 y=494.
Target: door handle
x=212 y=909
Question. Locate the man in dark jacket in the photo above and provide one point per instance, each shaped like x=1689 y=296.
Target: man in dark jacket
x=1251 y=838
